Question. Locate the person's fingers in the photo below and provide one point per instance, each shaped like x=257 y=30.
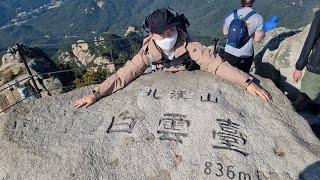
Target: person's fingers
x=294 y=77
x=257 y=91
x=261 y=95
x=76 y=103
x=88 y=104
x=297 y=75
x=253 y=92
x=267 y=95
x=80 y=103
x=269 y=98
x=78 y=106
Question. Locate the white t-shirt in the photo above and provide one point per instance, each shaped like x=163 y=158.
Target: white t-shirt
x=254 y=23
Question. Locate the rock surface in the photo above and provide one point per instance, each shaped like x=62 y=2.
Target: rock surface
x=81 y=51
x=188 y=125
x=13 y=70
x=12 y=67
x=277 y=55
x=130 y=29
x=81 y=55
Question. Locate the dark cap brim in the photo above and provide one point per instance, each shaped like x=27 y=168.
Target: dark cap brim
x=161 y=30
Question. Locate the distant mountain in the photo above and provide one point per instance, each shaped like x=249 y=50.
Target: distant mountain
x=49 y=21
x=12 y=10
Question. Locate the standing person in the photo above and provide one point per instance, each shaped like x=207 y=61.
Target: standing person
x=169 y=47
x=310 y=58
x=242 y=27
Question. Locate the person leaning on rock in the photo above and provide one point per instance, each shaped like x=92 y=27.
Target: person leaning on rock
x=310 y=58
x=169 y=48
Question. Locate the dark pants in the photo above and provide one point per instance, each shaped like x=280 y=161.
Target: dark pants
x=243 y=64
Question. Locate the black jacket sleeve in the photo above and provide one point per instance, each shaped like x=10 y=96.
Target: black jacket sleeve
x=310 y=42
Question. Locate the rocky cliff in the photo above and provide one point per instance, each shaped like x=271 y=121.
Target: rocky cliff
x=188 y=125
x=12 y=70
x=106 y=51
x=81 y=54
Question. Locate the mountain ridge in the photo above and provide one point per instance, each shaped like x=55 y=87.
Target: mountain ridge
x=86 y=18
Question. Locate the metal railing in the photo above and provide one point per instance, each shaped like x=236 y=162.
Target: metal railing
x=19 y=49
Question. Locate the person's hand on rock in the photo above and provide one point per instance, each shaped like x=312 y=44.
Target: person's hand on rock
x=86 y=101
x=258 y=91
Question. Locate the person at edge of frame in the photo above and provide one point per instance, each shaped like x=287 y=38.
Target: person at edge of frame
x=309 y=97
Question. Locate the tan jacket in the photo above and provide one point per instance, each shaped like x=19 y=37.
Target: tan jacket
x=202 y=55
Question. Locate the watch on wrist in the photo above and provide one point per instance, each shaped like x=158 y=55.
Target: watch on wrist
x=96 y=94
x=249 y=81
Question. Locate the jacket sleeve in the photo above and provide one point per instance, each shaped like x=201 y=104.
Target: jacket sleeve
x=309 y=43
x=131 y=70
x=214 y=64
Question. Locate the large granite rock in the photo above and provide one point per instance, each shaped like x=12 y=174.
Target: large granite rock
x=188 y=125
x=277 y=55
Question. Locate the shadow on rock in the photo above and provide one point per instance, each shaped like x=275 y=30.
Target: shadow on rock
x=312 y=172
x=272 y=45
x=313 y=121
x=275 y=42
x=269 y=71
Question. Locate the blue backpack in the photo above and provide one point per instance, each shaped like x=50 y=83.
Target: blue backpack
x=238 y=34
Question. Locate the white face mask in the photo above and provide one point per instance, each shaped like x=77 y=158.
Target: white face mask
x=167 y=43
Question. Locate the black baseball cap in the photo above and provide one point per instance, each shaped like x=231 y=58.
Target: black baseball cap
x=161 y=19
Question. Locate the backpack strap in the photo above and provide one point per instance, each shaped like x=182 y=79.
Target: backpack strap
x=235 y=14
x=248 y=15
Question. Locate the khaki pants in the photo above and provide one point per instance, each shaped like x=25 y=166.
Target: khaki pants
x=310 y=85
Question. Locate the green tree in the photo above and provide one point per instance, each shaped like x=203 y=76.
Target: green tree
x=92 y=77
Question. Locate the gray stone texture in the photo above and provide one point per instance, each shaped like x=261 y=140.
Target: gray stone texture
x=170 y=133
x=277 y=55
